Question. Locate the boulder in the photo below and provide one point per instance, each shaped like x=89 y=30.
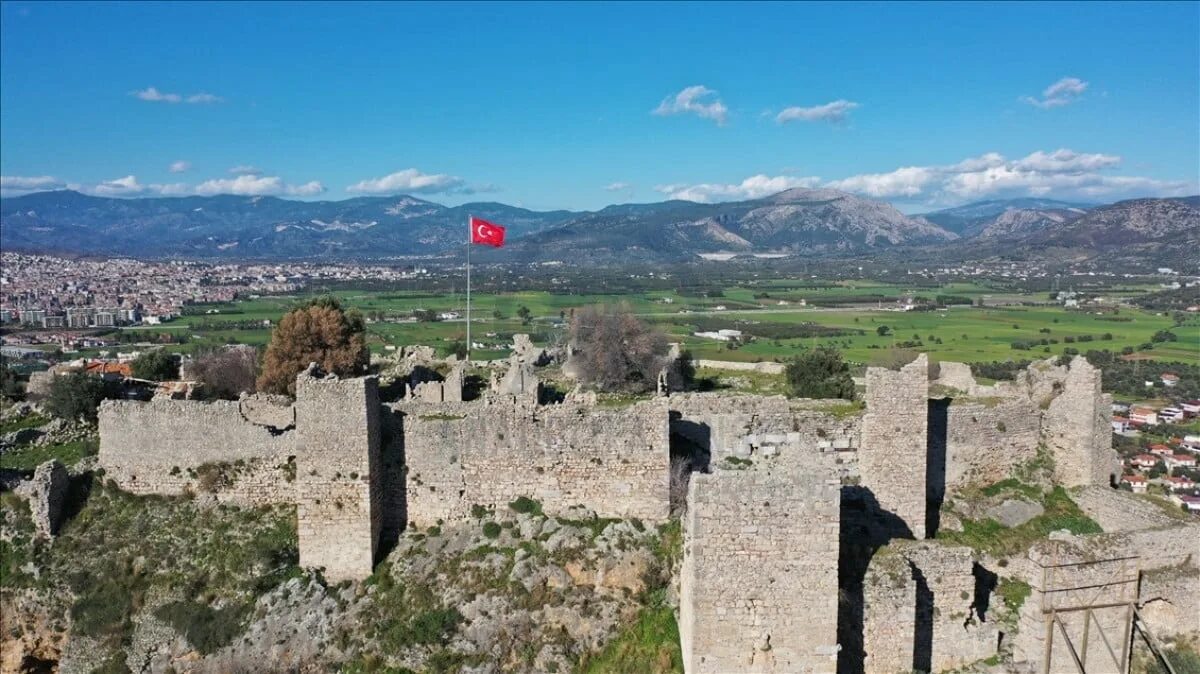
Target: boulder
x=1014 y=512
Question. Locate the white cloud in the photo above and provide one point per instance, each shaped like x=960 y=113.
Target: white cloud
x=1063 y=173
x=246 y=169
x=203 y=97
x=754 y=187
x=983 y=161
x=411 y=180
x=907 y=181
x=180 y=166
x=618 y=187
x=121 y=187
x=1064 y=160
x=834 y=111
x=698 y=100
x=153 y=95
x=308 y=189
x=1063 y=92
x=13 y=185
x=258 y=185
x=130 y=186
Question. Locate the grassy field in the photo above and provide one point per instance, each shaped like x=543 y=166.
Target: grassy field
x=961 y=333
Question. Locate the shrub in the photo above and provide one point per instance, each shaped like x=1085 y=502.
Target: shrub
x=526 y=506
x=491 y=530
x=320 y=332
x=206 y=628
x=77 y=396
x=820 y=373
x=156 y=365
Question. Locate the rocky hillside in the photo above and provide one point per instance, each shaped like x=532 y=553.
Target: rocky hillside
x=1135 y=221
x=149 y=584
x=1018 y=222
x=974 y=218
x=249 y=227
x=798 y=222
x=795 y=222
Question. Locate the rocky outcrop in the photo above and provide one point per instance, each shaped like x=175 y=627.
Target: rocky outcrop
x=47 y=493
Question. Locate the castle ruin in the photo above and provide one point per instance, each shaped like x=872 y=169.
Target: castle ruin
x=788 y=504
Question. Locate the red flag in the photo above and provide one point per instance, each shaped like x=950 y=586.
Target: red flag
x=487 y=233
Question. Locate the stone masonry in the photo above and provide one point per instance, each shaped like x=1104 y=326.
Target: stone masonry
x=1077 y=428
x=919 y=610
x=892 y=456
x=47 y=497
x=156 y=447
x=338 y=496
x=612 y=460
x=759 y=585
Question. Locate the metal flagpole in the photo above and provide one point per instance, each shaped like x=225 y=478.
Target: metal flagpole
x=469 y=233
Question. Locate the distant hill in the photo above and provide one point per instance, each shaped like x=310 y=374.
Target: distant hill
x=249 y=227
x=797 y=222
x=975 y=218
x=1165 y=229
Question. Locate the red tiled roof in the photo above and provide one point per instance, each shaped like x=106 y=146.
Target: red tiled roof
x=101 y=367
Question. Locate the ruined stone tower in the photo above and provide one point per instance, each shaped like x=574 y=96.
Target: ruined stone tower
x=338 y=499
x=892 y=456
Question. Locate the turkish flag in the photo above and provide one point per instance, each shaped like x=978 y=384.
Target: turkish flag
x=487 y=233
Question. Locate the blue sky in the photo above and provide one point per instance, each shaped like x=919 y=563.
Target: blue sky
x=581 y=105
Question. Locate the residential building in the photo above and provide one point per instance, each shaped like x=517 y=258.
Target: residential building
x=1171 y=415
x=1143 y=415
x=1144 y=461
x=1137 y=483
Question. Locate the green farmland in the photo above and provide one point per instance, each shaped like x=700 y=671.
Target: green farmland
x=854 y=310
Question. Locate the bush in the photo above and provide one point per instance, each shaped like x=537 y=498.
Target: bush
x=10 y=385
x=225 y=373
x=526 y=506
x=883 y=331
x=77 y=396
x=491 y=530
x=320 y=332
x=615 y=350
x=206 y=628
x=156 y=366
x=820 y=373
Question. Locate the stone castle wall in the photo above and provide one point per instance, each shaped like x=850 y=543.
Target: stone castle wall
x=919 y=612
x=759 y=581
x=156 y=447
x=1104 y=569
x=986 y=440
x=612 y=460
x=893 y=454
x=338 y=493
x=1077 y=427
x=1118 y=511
x=725 y=425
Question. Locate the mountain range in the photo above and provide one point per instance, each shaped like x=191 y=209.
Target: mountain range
x=798 y=222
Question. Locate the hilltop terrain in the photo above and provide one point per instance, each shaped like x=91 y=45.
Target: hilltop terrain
x=797 y=222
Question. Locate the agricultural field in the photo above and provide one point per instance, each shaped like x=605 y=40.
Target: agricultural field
x=861 y=318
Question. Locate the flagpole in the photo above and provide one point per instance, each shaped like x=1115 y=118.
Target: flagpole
x=468 y=287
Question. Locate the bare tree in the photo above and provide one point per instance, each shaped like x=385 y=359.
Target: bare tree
x=225 y=373
x=615 y=350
